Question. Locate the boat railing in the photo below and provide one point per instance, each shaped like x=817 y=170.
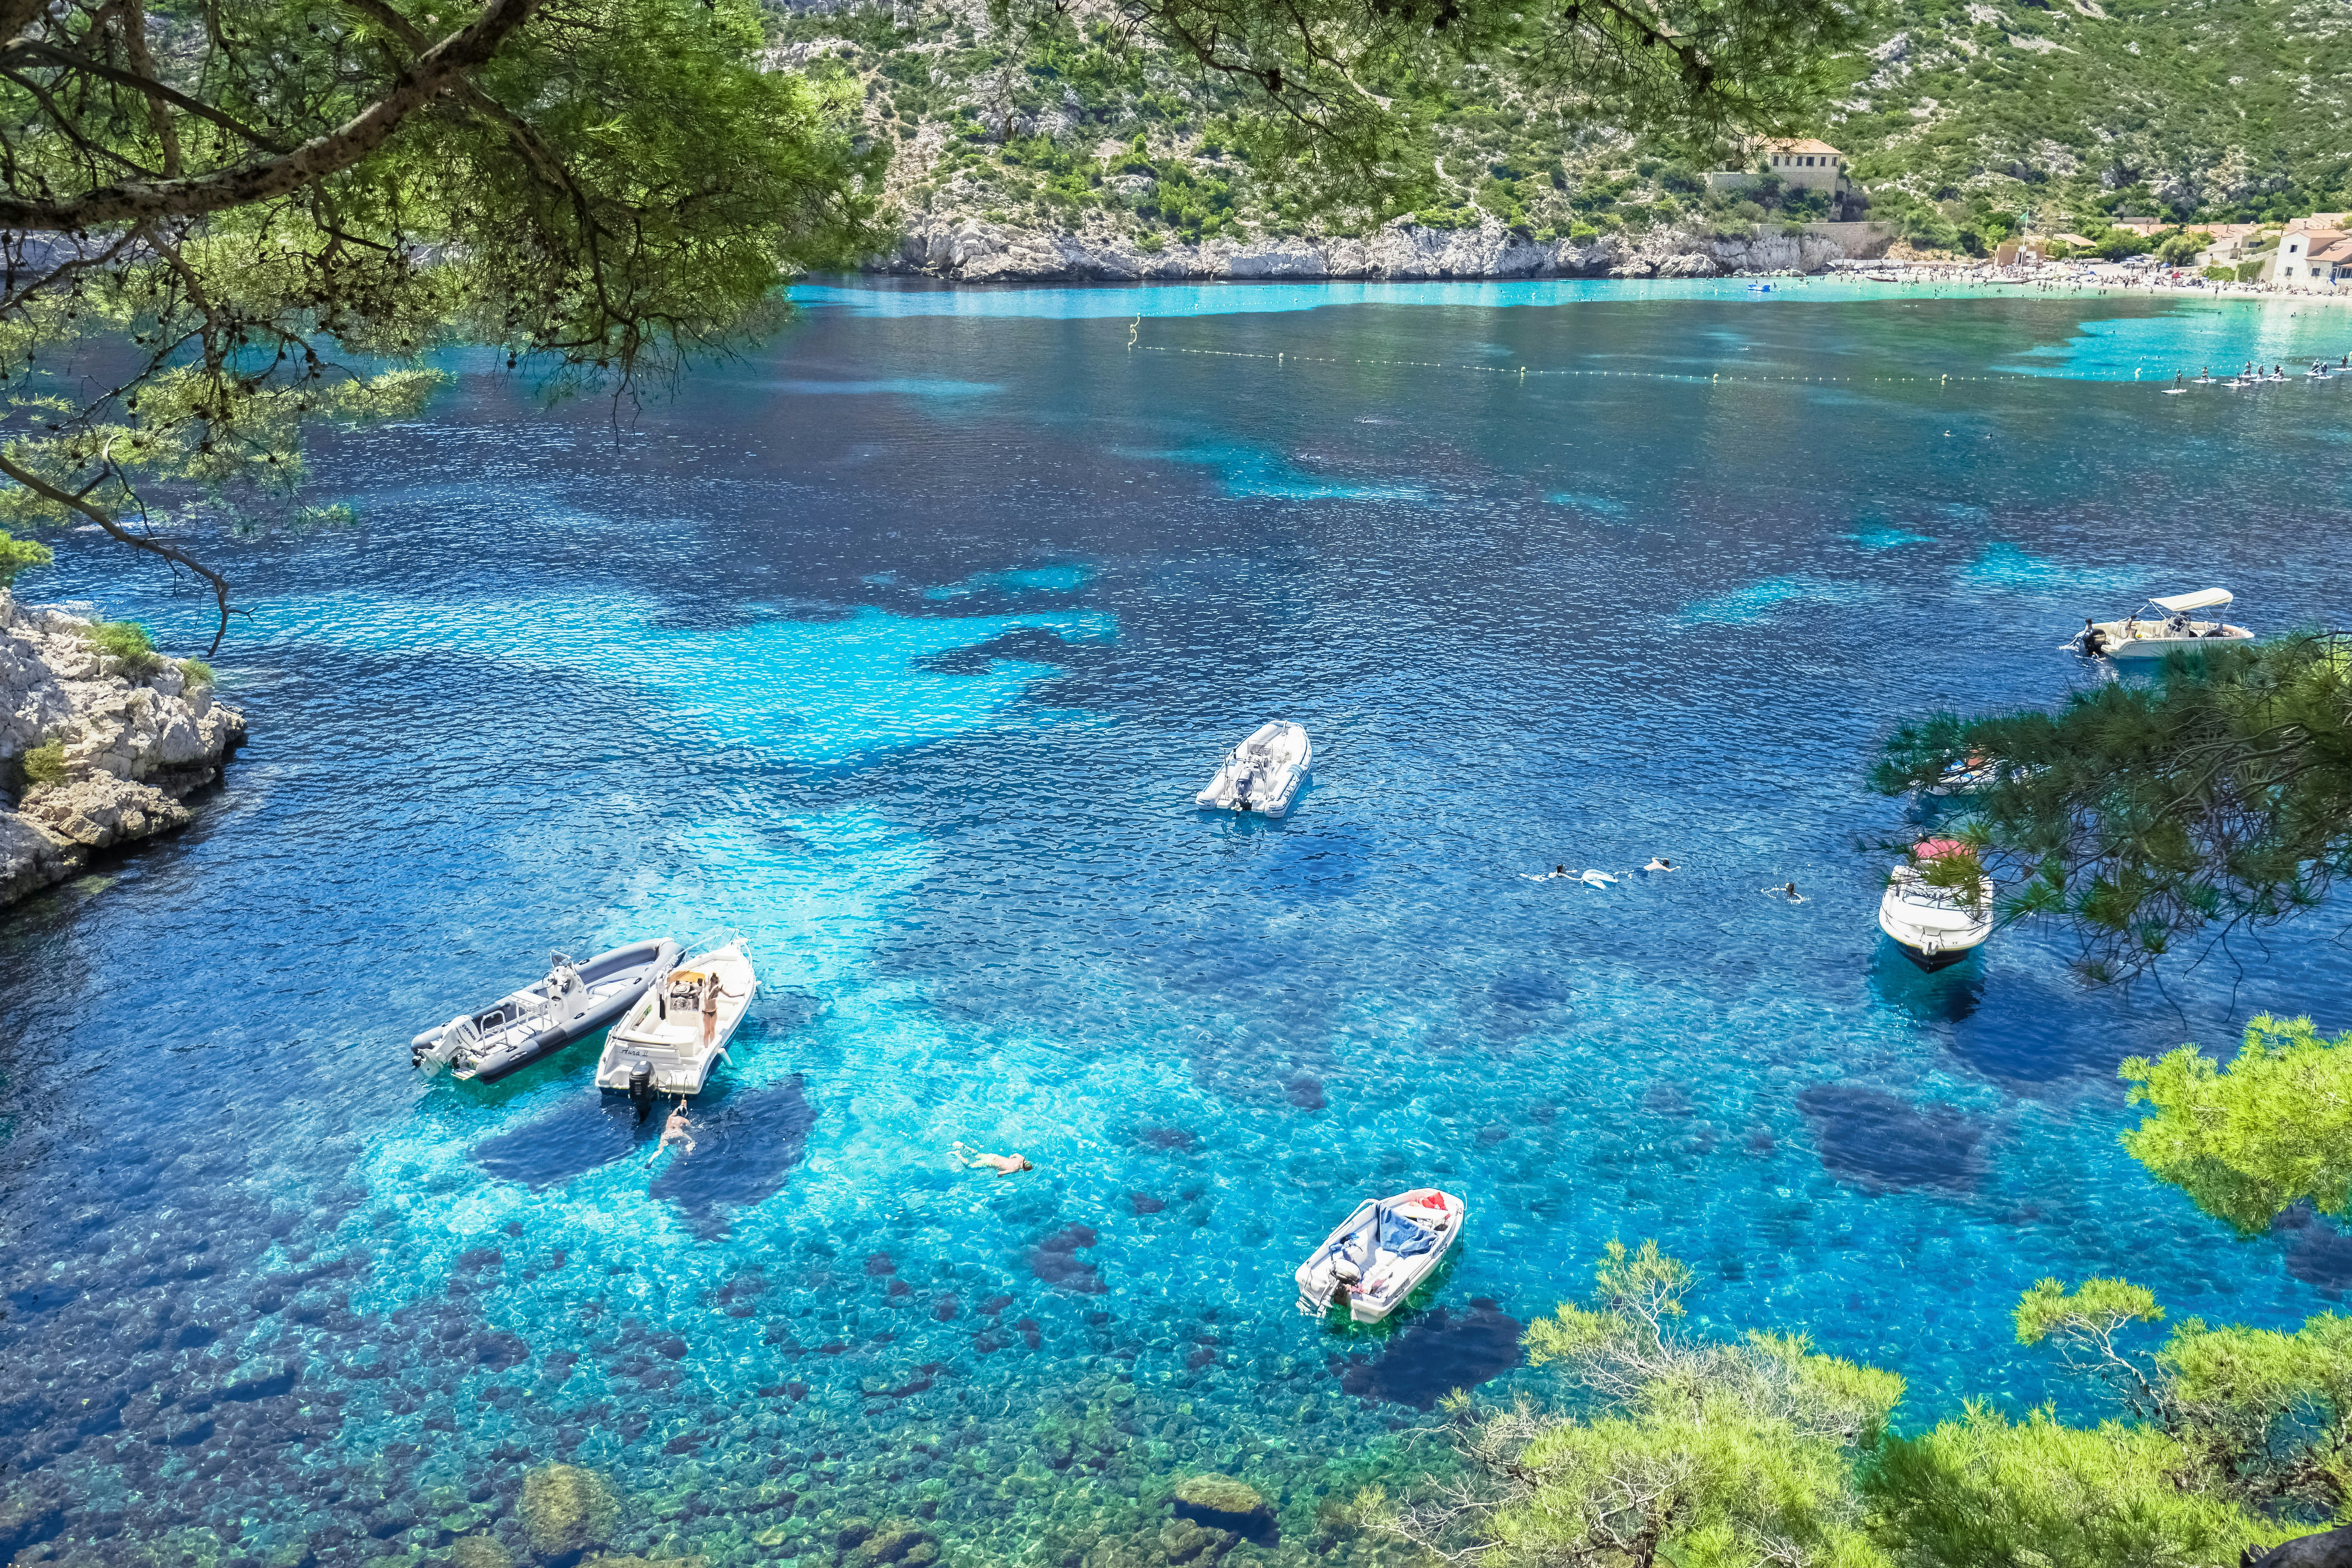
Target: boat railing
x=706 y=943
x=1916 y=889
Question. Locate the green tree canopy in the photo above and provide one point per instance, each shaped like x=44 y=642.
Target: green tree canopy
x=2249 y=1140
x=2260 y=1418
x=1686 y=1451
x=1702 y=1454
x=283 y=204
x=2213 y=797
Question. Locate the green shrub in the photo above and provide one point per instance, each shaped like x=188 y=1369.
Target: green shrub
x=198 y=671
x=1150 y=244
x=17 y=555
x=45 y=763
x=125 y=642
x=2247 y=271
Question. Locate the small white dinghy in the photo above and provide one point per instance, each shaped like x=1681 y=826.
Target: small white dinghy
x=1379 y=1253
x=1934 y=927
x=1262 y=773
x=573 y=1003
x=668 y=1044
x=2139 y=636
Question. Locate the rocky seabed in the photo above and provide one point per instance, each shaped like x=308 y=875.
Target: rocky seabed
x=972 y=250
x=136 y=743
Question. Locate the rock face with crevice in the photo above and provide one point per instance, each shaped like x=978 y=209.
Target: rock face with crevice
x=136 y=743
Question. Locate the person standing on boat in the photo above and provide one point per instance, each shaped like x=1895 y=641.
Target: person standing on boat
x=712 y=990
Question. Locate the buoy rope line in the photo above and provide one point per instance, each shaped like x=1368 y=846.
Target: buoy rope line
x=1521 y=373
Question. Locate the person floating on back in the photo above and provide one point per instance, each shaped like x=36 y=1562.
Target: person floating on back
x=1659 y=863
x=972 y=1160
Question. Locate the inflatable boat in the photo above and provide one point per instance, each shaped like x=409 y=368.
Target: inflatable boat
x=572 y=1003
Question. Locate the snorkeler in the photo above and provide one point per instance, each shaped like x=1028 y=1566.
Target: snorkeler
x=1659 y=863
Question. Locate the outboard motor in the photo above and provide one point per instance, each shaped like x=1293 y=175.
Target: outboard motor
x=641 y=1086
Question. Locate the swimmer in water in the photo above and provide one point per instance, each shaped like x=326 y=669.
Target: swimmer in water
x=1659 y=863
x=972 y=1160
x=1548 y=876
x=675 y=1131
x=1789 y=892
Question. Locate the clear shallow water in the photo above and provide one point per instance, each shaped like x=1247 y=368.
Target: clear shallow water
x=901 y=650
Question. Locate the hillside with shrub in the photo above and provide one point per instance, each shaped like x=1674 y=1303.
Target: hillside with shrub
x=1966 y=120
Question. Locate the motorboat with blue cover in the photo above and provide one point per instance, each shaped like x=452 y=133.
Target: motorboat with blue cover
x=1372 y=1263
x=1262 y=773
x=572 y=1003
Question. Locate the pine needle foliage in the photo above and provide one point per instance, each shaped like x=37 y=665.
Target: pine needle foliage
x=1681 y=1450
x=2249 y=1141
x=283 y=207
x=2214 y=798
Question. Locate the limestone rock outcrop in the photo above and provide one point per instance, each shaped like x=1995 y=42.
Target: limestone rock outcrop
x=119 y=746
x=972 y=250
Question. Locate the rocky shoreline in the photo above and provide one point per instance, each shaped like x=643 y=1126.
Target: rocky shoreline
x=972 y=250
x=122 y=744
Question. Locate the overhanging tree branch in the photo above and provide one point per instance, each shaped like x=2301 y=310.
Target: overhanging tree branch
x=432 y=74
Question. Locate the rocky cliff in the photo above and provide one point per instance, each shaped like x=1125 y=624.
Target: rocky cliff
x=972 y=250
x=103 y=749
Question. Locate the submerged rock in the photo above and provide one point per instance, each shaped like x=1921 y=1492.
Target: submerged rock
x=1223 y=1504
x=133 y=742
x=566 y=1511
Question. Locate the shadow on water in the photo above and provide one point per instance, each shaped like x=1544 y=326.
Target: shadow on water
x=1434 y=1355
x=586 y=1132
x=1944 y=997
x=746 y=1141
x=1882 y=1142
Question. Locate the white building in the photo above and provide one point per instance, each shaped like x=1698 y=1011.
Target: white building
x=2314 y=258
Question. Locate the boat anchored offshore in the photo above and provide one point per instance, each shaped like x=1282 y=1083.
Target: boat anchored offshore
x=1934 y=927
x=1262 y=773
x=2140 y=636
x=1372 y=1263
x=668 y=1044
x=573 y=1002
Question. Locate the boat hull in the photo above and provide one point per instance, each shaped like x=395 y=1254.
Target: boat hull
x=1934 y=935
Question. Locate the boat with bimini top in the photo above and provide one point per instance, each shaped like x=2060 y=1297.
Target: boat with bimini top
x=572 y=1003
x=678 y=1032
x=1936 y=924
x=2142 y=635
x=1372 y=1263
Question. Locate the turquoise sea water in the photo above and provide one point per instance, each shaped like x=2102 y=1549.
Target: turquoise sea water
x=900 y=650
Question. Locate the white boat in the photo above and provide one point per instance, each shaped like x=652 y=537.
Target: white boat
x=1934 y=927
x=1262 y=773
x=1882 y=277
x=1379 y=1254
x=572 y=1003
x=2142 y=635
x=664 y=1046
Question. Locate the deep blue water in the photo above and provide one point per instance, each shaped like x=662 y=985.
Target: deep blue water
x=900 y=648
